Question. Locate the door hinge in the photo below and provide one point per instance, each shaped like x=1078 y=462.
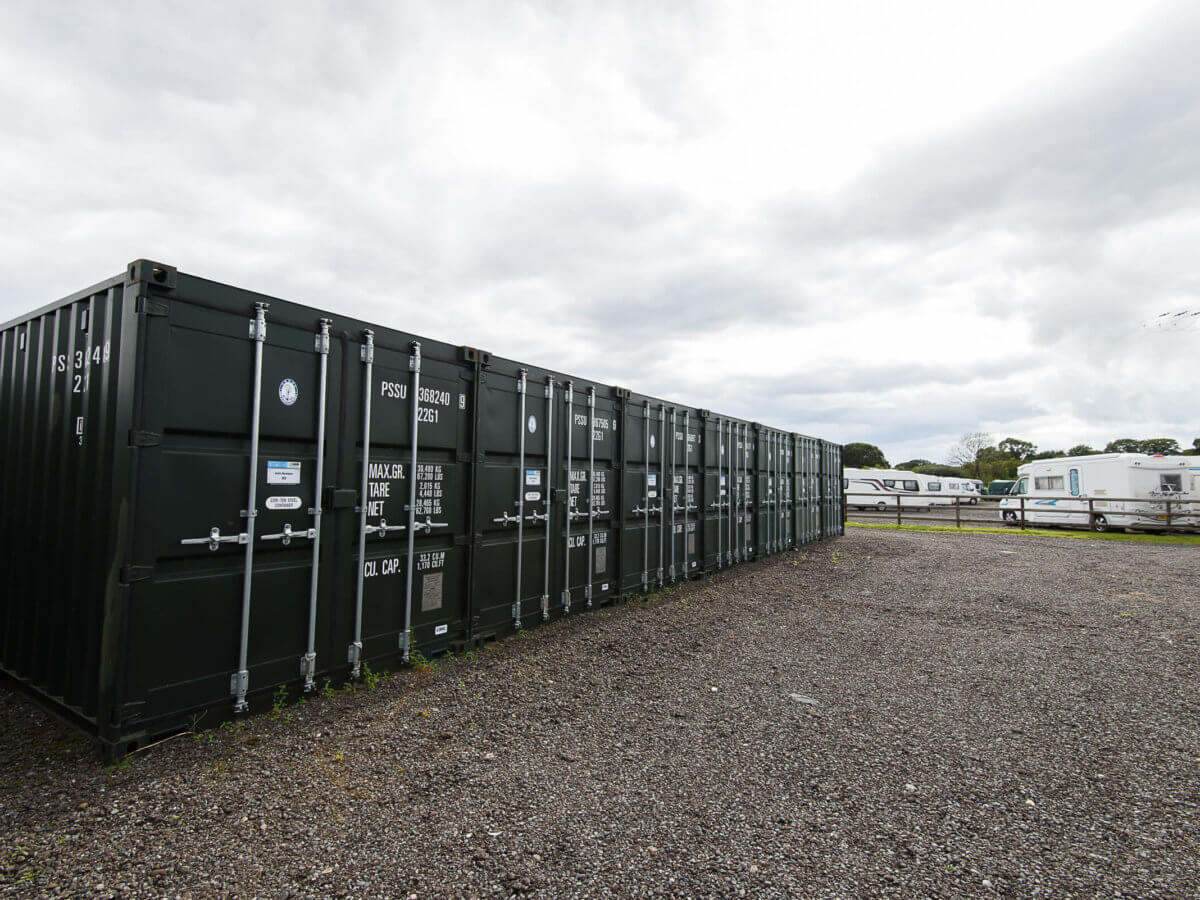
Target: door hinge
x=130 y=574
x=144 y=438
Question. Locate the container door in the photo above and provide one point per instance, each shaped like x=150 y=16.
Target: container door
x=417 y=418
x=603 y=571
x=226 y=507
x=714 y=494
x=512 y=577
x=643 y=494
x=691 y=446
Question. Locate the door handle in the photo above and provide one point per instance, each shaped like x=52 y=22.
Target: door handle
x=285 y=536
x=383 y=528
x=215 y=539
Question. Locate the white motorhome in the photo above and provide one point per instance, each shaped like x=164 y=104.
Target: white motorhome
x=1107 y=491
x=882 y=489
x=937 y=488
x=962 y=490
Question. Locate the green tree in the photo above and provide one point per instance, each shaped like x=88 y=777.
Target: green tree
x=1165 y=446
x=863 y=456
x=1082 y=450
x=1195 y=451
x=1123 y=445
x=993 y=464
x=913 y=464
x=942 y=471
x=1017 y=448
x=1046 y=454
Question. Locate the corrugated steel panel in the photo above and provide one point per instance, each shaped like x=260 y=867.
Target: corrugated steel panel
x=209 y=493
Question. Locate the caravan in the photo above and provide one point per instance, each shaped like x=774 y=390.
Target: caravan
x=1107 y=491
x=882 y=489
x=961 y=490
x=937 y=487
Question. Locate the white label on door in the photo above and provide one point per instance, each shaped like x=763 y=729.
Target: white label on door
x=283 y=471
x=604 y=587
x=533 y=477
x=284 y=503
x=440 y=629
x=533 y=495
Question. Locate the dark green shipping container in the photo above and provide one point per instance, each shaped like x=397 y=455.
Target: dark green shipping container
x=208 y=493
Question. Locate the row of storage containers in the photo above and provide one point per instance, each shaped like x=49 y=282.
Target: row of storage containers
x=208 y=493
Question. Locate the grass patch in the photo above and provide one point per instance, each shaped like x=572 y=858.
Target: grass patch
x=1187 y=539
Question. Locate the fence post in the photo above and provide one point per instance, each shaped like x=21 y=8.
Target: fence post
x=1168 y=517
x=1022 y=513
x=898 y=505
x=1091 y=513
x=957 y=513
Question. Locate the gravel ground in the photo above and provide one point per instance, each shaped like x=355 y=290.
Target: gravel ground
x=889 y=713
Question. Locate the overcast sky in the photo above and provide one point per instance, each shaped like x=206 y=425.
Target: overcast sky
x=868 y=221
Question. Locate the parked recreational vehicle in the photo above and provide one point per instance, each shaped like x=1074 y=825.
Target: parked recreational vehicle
x=884 y=488
x=937 y=489
x=1107 y=491
x=963 y=490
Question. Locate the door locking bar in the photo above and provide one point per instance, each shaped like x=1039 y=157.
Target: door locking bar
x=548 y=493
x=520 y=517
x=308 y=662
x=569 y=399
x=414 y=366
x=367 y=355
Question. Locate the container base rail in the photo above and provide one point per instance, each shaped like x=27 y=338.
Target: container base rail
x=209 y=494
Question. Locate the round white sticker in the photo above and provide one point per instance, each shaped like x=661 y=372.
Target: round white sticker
x=532 y=424
x=652 y=442
x=288 y=392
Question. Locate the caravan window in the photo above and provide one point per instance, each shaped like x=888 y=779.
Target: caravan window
x=1021 y=487
x=1048 y=483
x=1074 y=473
x=935 y=485
x=911 y=486
x=1170 y=483
x=888 y=482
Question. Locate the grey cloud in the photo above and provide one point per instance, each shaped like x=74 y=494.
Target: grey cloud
x=268 y=147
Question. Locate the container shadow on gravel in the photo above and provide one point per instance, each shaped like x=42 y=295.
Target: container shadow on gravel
x=974 y=726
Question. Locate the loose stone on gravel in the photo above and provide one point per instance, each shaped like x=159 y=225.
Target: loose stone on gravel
x=1049 y=742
